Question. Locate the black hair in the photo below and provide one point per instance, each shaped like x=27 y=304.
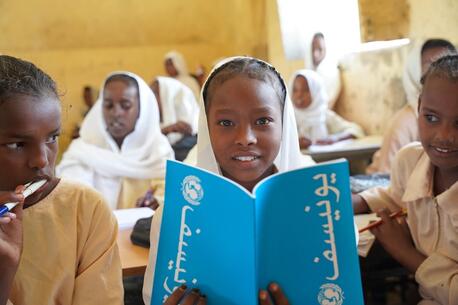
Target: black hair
x=18 y=76
x=318 y=35
x=128 y=80
x=247 y=66
x=438 y=43
x=445 y=67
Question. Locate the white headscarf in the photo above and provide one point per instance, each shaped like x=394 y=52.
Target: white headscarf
x=289 y=156
x=183 y=74
x=412 y=75
x=143 y=152
x=311 y=121
x=178 y=104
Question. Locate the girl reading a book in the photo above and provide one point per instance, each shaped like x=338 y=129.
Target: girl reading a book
x=247 y=131
x=59 y=247
x=424 y=181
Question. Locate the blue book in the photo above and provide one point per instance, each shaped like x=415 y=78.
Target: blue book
x=296 y=229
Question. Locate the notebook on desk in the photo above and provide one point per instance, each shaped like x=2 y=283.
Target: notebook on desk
x=128 y=217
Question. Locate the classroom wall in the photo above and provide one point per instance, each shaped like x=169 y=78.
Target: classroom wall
x=372 y=80
x=79 y=42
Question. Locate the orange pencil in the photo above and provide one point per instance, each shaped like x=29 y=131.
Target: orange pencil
x=397 y=214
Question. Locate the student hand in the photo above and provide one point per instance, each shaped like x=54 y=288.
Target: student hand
x=394 y=235
x=304 y=142
x=148 y=200
x=183 y=127
x=180 y=127
x=274 y=293
x=11 y=228
x=183 y=297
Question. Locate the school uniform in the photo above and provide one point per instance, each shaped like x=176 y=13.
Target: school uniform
x=70 y=255
x=183 y=74
x=121 y=174
x=317 y=121
x=289 y=157
x=177 y=104
x=432 y=220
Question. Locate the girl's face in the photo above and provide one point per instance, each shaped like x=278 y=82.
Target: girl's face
x=245 y=125
x=170 y=68
x=121 y=109
x=302 y=97
x=318 y=50
x=29 y=128
x=438 y=122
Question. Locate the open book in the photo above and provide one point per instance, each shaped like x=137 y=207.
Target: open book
x=295 y=229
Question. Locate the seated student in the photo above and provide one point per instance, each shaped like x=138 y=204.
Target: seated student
x=179 y=113
x=316 y=123
x=88 y=97
x=121 y=148
x=240 y=141
x=424 y=181
x=58 y=246
x=403 y=128
x=319 y=61
x=176 y=67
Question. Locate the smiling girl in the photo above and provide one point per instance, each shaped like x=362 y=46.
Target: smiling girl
x=247 y=132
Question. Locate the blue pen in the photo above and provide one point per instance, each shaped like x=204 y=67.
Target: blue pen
x=30 y=188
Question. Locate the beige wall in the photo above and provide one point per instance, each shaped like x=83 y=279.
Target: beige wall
x=79 y=42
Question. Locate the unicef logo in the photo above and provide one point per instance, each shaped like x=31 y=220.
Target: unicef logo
x=330 y=294
x=192 y=190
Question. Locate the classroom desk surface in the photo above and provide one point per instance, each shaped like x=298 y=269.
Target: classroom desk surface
x=358 y=149
x=133 y=258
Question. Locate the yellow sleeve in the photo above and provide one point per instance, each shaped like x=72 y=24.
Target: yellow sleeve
x=438 y=279
x=99 y=273
x=337 y=124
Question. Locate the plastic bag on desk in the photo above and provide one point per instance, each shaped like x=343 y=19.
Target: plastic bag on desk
x=141 y=232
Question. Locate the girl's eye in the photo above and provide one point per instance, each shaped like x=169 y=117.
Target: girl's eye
x=225 y=123
x=263 y=121
x=16 y=145
x=52 y=139
x=107 y=105
x=431 y=118
x=126 y=105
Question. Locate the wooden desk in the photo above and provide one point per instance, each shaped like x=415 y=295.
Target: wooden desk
x=133 y=258
x=360 y=150
x=350 y=149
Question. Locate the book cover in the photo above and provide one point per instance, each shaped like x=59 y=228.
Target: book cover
x=296 y=229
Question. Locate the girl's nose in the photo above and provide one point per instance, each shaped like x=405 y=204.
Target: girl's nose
x=246 y=136
x=38 y=157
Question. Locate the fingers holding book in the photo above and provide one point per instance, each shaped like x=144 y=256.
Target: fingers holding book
x=272 y=296
x=183 y=296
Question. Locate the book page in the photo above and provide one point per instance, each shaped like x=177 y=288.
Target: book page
x=366 y=239
x=305 y=235
x=207 y=238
